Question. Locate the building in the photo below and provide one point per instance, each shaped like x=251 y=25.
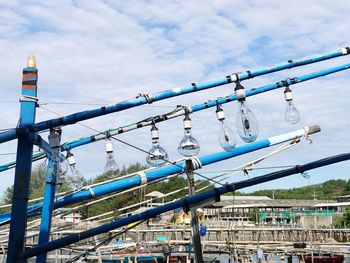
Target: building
x=263 y=210
x=152 y=196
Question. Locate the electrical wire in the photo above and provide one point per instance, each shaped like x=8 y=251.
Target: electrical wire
x=14 y=153
x=133 y=146
x=83 y=103
x=255 y=168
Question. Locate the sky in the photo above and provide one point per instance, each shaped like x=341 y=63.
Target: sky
x=102 y=52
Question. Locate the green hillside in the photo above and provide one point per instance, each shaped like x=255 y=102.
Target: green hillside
x=325 y=191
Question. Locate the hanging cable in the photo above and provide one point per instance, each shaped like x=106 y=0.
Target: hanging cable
x=134 y=146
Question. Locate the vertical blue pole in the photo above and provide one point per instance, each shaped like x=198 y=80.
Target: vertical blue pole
x=49 y=195
x=24 y=163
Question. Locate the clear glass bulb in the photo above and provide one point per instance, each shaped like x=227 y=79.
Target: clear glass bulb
x=188 y=146
x=156 y=156
x=75 y=178
x=291 y=115
x=246 y=123
x=111 y=167
x=62 y=167
x=227 y=137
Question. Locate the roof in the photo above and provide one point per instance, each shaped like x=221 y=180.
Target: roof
x=264 y=201
x=155 y=194
x=332 y=204
x=343 y=197
x=246 y=197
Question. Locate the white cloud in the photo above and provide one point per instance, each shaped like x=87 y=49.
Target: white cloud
x=106 y=51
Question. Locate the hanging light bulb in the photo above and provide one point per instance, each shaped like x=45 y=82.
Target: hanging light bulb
x=246 y=123
x=74 y=176
x=291 y=115
x=111 y=167
x=156 y=156
x=62 y=166
x=227 y=137
x=62 y=170
x=188 y=146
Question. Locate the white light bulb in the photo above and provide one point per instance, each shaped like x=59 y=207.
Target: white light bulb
x=291 y=114
x=62 y=167
x=74 y=177
x=111 y=167
x=156 y=156
x=246 y=123
x=188 y=146
x=226 y=135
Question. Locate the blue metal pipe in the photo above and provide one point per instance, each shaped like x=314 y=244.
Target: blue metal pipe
x=186 y=203
x=195 y=108
x=85 y=115
x=151 y=175
x=49 y=194
x=24 y=165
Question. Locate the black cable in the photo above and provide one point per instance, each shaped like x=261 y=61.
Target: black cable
x=170 y=162
x=140 y=149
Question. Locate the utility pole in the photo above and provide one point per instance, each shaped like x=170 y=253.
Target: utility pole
x=24 y=162
x=196 y=239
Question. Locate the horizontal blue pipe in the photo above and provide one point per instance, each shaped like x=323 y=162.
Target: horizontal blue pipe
x=85 y=115
x=152 y=175
x=185 y=203
x=202 y=106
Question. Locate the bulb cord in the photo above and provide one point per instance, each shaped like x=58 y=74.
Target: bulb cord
x=140 y=149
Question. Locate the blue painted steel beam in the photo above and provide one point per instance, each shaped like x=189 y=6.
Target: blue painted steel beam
x=49 y=194
x=152 y=175
x=186 y=203
x=85 y=115
x=24 y=165
x=195 y=108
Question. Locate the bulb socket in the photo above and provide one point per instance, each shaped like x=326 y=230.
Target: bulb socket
x=154 y=133
x=239 y=91
x=187 y=122
x=109 y=146
x=70 y=158
x=220 y=114
x=288 y=96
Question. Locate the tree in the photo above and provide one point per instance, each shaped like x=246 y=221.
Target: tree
x=345 y=220
x=117 y=202
x=37 y=185
x=347 y=188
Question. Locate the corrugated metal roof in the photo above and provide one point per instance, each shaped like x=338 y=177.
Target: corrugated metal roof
x=262 y=201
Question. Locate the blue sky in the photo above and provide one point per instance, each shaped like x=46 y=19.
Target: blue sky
x=107 y=51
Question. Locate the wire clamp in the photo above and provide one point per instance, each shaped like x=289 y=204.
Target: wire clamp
x=307 y=136
x=147 y=97
x=26 y=98
x=92 y=192
x=143 y=177
x=248 y=168
x=196 y=163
